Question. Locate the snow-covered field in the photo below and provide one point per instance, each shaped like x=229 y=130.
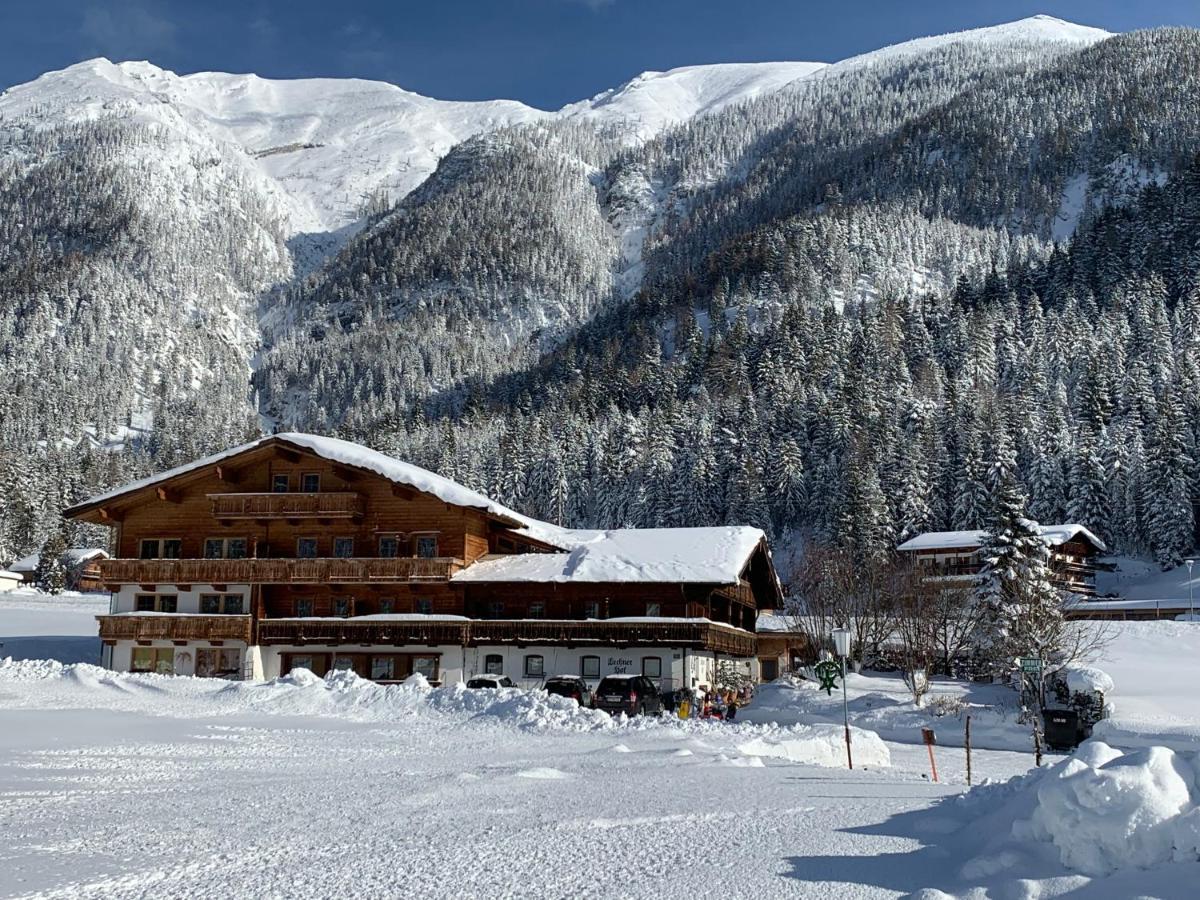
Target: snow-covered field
x=130 y=786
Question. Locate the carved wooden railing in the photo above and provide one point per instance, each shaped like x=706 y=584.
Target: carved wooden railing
x=326 y=505
x=278 y=571
x=174 y=627
x=334 y=632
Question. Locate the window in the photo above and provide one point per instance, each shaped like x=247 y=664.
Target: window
x=383 y=668
x=654 y=609
x=537 y=610
x=426 y=666
x=304 y=610
x=156 y=602
x=343 y=547
x=386 y=605
x=306 y=548
x=493 y=664
x=160 y=548
x=281 y=484
x=341 y=606
x=424 y=605
x=591 y=609
x=234 y=605
x=589 y=667
x=389 y=547
x=160 y=660
x=210 y=604
x=343 y=664
x=225 y=548
x=217 y=662
x=427 y=547
x=534 y=666
x=495 y=608
x=310 y=482
x=652 y=666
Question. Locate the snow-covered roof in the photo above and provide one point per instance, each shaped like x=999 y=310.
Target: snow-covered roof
x=71 y=558
x=674 y=555
x=1054 y=535
x=350 y=454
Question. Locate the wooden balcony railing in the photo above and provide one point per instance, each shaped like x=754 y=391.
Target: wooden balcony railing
x=174 y=627
x=326 y=570
x=330 y=505
x=473 y=632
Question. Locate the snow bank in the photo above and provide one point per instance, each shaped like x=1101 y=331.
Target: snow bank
x=1106 y=810
x=821 y=745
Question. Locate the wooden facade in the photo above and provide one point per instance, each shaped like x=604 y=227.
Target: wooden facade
x=318 y=552
x=1073 y=565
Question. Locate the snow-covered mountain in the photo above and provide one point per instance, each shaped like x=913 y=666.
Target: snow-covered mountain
x=334 y=147
x=610 y=276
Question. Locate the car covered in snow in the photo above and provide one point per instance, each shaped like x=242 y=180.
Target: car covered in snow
x=572 y=686
x=633 y=695
x=491 y=682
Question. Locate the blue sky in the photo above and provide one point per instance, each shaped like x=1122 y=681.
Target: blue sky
x=544 y=52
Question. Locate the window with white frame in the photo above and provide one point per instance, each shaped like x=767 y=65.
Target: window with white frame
x=160 y=548
x=493 y=664
x=225 y=548
x=589 y=666
x=652 y=666
x=534 y=665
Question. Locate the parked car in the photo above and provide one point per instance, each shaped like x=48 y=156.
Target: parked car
x=572 y=686
x=630 y=694
x=491 y=682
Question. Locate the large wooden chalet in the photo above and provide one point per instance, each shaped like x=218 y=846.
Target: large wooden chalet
x=304 y=551
x=949 y=557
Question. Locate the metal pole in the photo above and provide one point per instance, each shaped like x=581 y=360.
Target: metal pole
x=1191 y=603
x=846 y=715
x=967 y=744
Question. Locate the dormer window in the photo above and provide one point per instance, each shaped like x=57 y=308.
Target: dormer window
x=310 y=482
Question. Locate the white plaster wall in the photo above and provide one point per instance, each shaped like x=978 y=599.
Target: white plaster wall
x=124 y=600
x=119 y=657
x=449 y=666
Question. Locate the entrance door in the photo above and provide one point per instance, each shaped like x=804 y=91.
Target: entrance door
x=768 y=669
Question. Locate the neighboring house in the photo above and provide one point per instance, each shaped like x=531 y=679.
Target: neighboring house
x=82 y=565
x=783 y=645
x=304 y=551
x=949 y=557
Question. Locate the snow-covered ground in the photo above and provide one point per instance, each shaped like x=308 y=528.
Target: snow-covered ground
x=127 y=786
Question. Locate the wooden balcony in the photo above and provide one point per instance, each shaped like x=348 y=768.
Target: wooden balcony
x=174 y=627
x=475 y=632
x=324 y=505
x=326 y=570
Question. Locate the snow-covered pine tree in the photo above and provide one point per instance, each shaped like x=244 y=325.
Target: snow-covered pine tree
x=1022 y=610
x=50 y=575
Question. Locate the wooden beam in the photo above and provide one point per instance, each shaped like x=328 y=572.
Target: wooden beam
x=167 y=494
x=399 y=490
x=110 y=515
